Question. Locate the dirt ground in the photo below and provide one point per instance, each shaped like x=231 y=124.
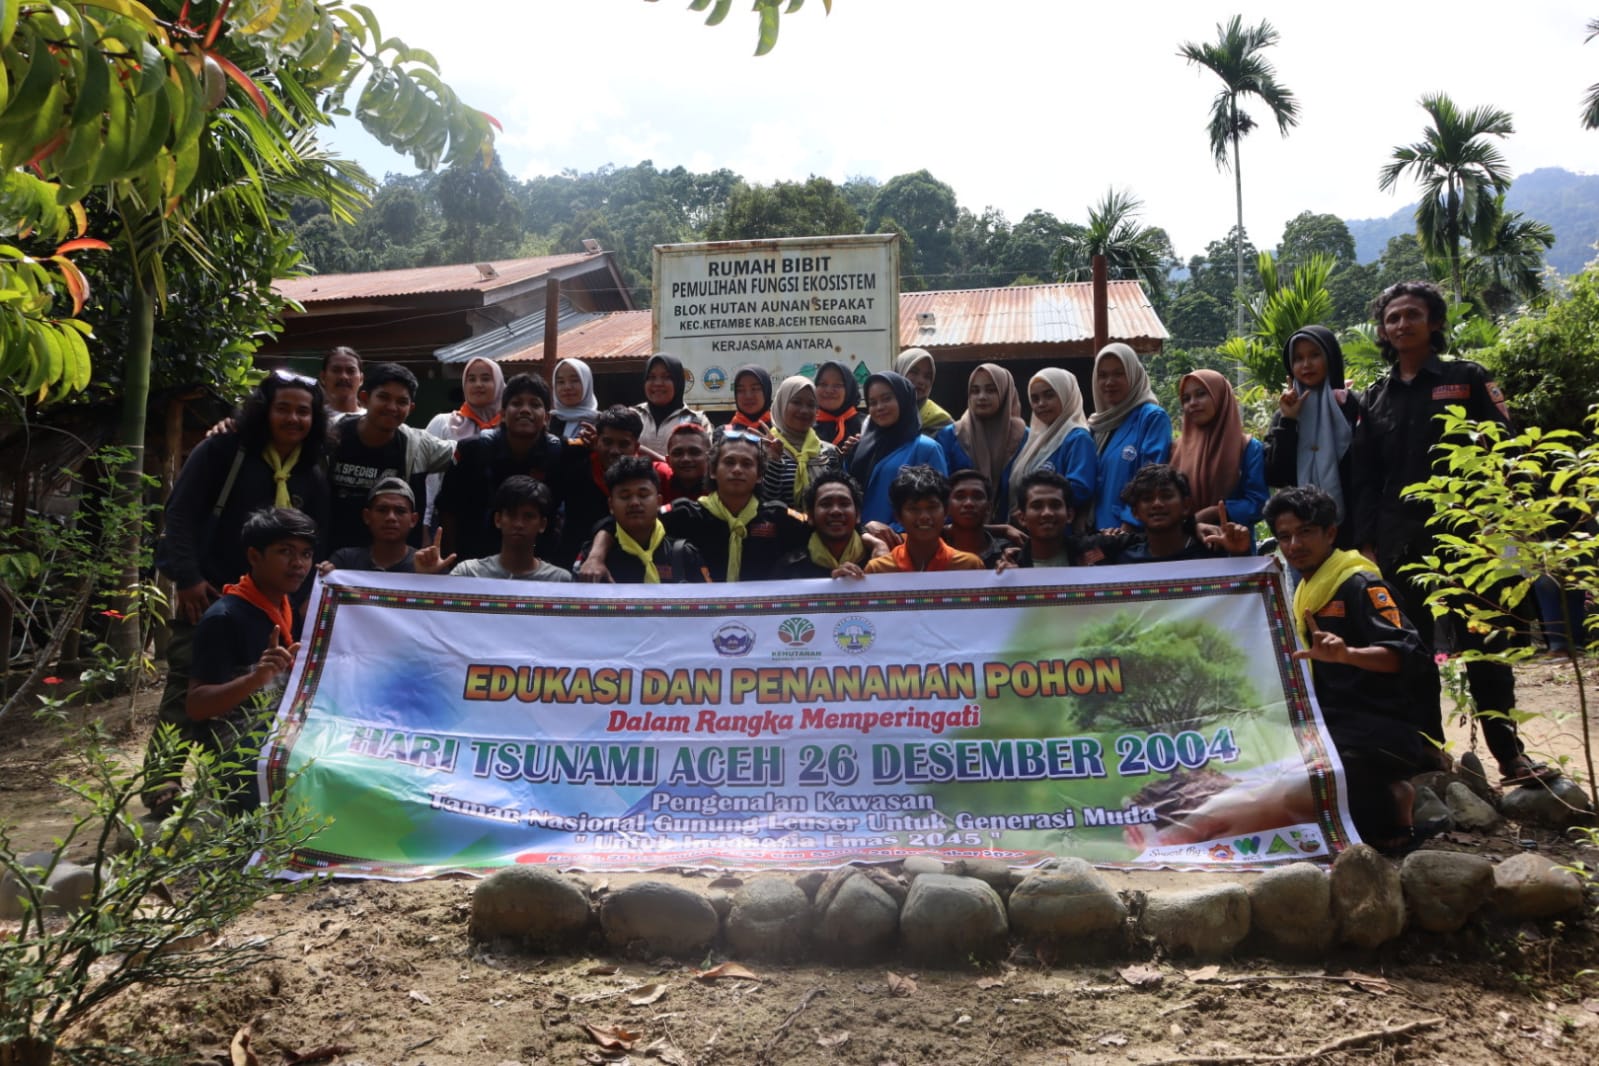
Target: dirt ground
x=387 y=974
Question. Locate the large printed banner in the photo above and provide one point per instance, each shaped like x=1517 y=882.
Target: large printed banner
x=1127 y=715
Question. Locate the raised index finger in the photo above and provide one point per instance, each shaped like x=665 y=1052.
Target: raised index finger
x=1310 y=623
x=1221 y=510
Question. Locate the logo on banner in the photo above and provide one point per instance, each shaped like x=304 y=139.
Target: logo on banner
x=733 y=639
x=854 y=634
x=796 y=631
x=715 y=378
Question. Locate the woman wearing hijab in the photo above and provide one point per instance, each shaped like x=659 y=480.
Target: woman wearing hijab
x=800 y=456
x=1225 y=466
x=482 y=383
x=752 y=399
x=838 y=400
x=918 y=367
x=1059 y=439
x=663 y=407
x=989 y=435
x=1310 y=435
x=1131 y=430
x=574 y=399
x=892 y=439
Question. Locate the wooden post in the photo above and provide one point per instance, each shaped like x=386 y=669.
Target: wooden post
x=552 y=326
x=1101 y=306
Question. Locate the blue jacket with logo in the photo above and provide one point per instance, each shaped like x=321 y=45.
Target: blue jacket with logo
x=1144 y=437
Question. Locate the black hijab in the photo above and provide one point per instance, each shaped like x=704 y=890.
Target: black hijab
x=674 y=367
x=877 y=443
x=763 y=378
x=1323 y=338
x=840 y=418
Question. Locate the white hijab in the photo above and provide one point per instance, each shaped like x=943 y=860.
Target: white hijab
x=1042 y=440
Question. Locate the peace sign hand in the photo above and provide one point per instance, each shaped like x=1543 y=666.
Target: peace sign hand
x=1291 y=402
x=1324 y=647
x=427 y=559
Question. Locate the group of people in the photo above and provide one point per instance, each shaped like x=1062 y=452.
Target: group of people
x=842 y=474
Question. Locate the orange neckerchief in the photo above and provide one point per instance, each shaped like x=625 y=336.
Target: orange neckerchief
x=939 y=561
x=597 y=469
x=279 y=612
x=841 y=420
x=467 y=412
x=761 y=425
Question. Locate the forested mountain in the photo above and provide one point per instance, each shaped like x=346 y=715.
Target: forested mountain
x=1567 y=202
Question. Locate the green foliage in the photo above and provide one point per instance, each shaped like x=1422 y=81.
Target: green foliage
x=153 y=909
x=1176 y=675
x=1168 y=367
x=1505 y=266
x=923 y=209
x=1548 y=361
x=1278 y=313
x=1196 y=319
x=1236 y=58
x=1590 y=102
x=1507 y=509
x=1308 y=234
x=812 y=208
x=1460 y=172
x=1214 y=272
x=1131 y=250
x=770 y=13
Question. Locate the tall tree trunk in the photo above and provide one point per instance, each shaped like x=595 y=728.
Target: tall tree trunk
x=1454 y=244
x=125 y=636
x=1238 y=243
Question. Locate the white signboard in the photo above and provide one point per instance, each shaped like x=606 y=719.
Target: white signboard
x=785 y=305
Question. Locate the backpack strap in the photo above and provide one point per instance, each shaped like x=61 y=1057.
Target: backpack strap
x=227 y=486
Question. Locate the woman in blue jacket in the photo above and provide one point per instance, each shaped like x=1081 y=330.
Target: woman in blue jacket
x=1059 y=440
x=987 y=437
x=1131 y=431
x=892 y=439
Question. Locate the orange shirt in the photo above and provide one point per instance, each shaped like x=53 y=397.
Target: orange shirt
x=946 y=558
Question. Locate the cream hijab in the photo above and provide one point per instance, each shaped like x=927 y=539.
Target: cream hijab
x=1043 y=441
x=1106 y=420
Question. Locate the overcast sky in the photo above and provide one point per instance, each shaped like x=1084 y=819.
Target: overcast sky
x=1017 y=104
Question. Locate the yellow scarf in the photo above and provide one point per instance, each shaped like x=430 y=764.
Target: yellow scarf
x=643 y=553
x=853 y=552
x=738 y=527
x=1315 y=591
x=281 y=469
x=804 y=455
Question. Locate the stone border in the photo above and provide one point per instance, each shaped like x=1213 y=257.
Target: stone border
x=966 y=912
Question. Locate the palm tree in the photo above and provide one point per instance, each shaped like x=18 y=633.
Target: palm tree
x=1460 y=173
x=1505 y=265
x=1590 y=103
x=1131 y=250
x=1236 y=59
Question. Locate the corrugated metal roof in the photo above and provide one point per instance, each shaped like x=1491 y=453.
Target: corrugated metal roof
x=1061 y=313
x=502 y=343
x=457 y=277
x=618 y=335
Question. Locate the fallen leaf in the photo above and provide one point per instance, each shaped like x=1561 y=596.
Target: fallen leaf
x=1141 y=976
x=1375 y=985
x=964 y=1019
x=900 y=986
x=668 y=1052
x=600 y=970
x=239 y=1050
x=1204 y=973
x=644 y=995
x=617 y=1039
x=1112 y=1040
x=833 y=1040
x=326 y=1051
x=726 y=969
x=421 y=997
x=986 y=983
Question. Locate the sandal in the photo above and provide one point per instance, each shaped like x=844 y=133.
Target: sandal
x=1524 y=771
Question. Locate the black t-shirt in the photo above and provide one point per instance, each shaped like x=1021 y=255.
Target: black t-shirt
x=1136 y=550
x=228 y=643
x=773 y=533
x=467 y=494
x=353 y=468
x=361 y=559
x=676 y=561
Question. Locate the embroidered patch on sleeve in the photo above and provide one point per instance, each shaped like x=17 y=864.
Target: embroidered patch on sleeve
x=1452 y=392
x=1497 y=395
x=1383 y=601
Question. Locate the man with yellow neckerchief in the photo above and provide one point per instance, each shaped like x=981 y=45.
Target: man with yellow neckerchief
x=643 y=553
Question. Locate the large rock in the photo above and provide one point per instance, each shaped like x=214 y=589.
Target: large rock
x=1556 y=804
x=1069 y=902
x=1534 y=886
x=1290 y=907
x=12 y=892
x=1469 y=810
x=658 y=918
x=953 y=919
x=1444 y=888
x=1368 y=902
x=530 y=903
x=1431 y=814
x=1469 y=769
x=1208 y=922
x=917 y=865
x=69 y=888
x=854 y=918
x=997 y=874
x=770 y=919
